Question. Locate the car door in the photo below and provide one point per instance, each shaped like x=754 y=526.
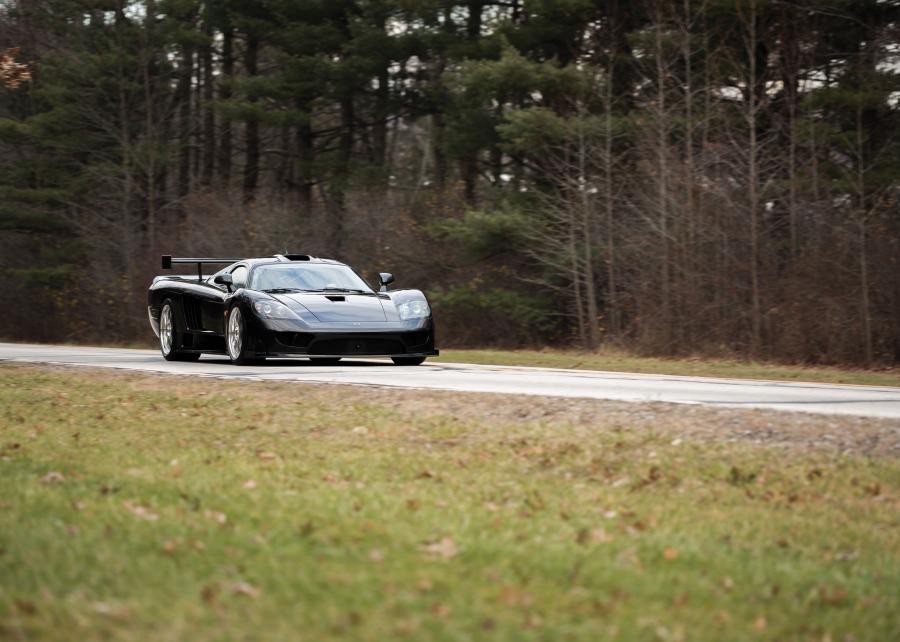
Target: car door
x=213 y=308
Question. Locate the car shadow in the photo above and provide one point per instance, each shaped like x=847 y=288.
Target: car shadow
x=275 y=363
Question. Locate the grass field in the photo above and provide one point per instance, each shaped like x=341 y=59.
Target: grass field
x=151 y=508
x=700 y=367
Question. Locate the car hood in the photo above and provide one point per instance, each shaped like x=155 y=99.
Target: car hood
x=332 y=308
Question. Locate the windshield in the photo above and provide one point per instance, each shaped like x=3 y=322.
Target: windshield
x=308 y=276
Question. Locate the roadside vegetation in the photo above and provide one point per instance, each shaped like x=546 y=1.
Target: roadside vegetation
x=620 y=361
x=713 y=177
x=150 y=508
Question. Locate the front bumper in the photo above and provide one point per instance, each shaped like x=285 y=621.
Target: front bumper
x=417 y=343
x=280 y=339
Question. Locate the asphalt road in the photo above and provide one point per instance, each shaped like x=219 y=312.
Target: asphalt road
x=805 y=397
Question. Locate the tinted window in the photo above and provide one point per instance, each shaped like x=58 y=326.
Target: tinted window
x=308 y=276
x=239 y=277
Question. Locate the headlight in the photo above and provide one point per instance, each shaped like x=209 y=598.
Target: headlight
x=417 y=309
x=273 y=310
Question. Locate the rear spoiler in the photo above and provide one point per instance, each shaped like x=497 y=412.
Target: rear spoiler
x=168 y=261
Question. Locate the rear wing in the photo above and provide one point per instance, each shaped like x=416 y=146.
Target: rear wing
x=168 y=261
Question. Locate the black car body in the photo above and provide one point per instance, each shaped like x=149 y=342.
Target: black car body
x=287 y=306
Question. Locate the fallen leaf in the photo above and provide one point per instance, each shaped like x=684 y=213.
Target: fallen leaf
x=444 y=548
x=376 y=555
x=267 y=456
x=440 y=610
x=169 y=547
x=216 y=516
x=53 y=477
x=831 y=597
x=243 y=588
x=115 y=611
x=491 y=507
x=249 y=484
x=25 y=606
x=727 y=583
x=514 y=597
x=760 y=624
x=141 y=511
x=360 y=430
x=426 y=474
x=670 y=554
x=209 y=593
x=600 y=536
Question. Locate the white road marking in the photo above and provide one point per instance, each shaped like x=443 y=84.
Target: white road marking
x=871 y=401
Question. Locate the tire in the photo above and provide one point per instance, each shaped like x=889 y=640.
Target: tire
x=168 y=336
x=236 y=339
x=325 y=361
x=408 y=361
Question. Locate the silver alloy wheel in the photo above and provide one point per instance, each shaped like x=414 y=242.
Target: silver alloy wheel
x=166 y=330
x=235 y=340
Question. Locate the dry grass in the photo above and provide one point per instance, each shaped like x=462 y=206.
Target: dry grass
x=145 y=507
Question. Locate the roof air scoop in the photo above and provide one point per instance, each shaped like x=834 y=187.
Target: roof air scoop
x=287 y=258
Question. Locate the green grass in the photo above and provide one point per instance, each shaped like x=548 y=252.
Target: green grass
x=700 y=367
x=127 y=512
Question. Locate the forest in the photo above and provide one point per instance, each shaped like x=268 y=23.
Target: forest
x=680 y=177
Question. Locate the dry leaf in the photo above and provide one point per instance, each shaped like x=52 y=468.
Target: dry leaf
x=242 y=588
x=53 y=477
x=440 y=610
x=141 y=511
x=760 y=624
x=249 y=484
x=670 y=554
x=217 y=517
x=115 y=611
x=267 y=456
x=376 y=555
x=600 y=536
x=445 y=548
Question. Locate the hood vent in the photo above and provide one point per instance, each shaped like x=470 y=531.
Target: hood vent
x=335 y=297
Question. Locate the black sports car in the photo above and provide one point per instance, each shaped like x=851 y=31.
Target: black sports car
x=288 y=305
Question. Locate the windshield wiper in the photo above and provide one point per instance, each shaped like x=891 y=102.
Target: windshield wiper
x=284 y=290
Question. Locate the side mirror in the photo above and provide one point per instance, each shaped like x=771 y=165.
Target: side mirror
x=224 y=279
x=386 y=279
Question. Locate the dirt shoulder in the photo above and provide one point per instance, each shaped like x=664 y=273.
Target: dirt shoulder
x=844 y=434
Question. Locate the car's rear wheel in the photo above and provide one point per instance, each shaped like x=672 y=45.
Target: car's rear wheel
x=168 y=336
x=408 y=361
x=325 y=361
x=236 y=339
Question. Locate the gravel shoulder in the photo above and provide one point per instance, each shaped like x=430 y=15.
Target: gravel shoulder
x=837 y=434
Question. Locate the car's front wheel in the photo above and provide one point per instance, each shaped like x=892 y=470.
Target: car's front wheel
x=168 y=336
x=236 y=339
x=408 y=361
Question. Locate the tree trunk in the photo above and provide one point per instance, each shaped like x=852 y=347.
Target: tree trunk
x=305 y=152
x=225 y=146
x=251 y=162
x=209 y=117
x=753 y=185
x=184 y=121
x=662 y=159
